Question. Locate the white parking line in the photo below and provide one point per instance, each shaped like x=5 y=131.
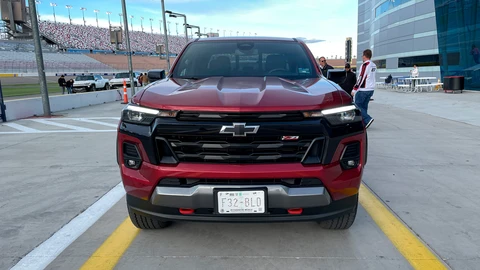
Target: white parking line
x=21 y=128
x=93 y=118
x=94 y=122
x=45 y=253
x=52 y=123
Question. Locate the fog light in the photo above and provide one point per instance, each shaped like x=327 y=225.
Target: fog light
x=351 y=163
x=132 y=163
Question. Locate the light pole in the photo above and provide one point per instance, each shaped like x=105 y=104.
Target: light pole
x=121 y=18
x=39 y=59
x=194 y=26
x=151 y=25
x=127 y=39
x=176 y=15
x=176 y=27
x=141 y=23
x=238 y=33
x=53 y=6
x=108 y=14
x=168 y=33
x=83 y=12
x=96 y=15
x=231 y=32
x=160 y=26
x=36 y=5
x=166 y=36
x=131 y=21
x=69 y=18
x=204 y=30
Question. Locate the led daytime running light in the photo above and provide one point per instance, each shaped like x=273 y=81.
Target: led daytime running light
x=338 y=110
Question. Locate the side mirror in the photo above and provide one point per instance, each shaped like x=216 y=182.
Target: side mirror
x=155 y=75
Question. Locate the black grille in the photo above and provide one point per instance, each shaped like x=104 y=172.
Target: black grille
x=130 y=150
x=228 y=149
x=290 y=182
x=352 y=151
x=244 y=117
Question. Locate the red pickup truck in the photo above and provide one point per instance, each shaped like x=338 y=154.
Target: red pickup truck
x=242 y=129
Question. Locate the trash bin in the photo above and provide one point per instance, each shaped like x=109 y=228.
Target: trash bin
x=453 y=83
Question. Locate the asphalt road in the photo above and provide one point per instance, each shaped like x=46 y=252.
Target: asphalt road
x=423 y=167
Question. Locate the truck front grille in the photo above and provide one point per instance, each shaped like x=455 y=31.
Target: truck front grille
x=244 y=117
x=227 y=149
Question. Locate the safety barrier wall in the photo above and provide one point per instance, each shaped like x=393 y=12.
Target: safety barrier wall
x=24 y=108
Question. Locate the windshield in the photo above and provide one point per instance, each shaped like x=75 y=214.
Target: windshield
x=84 y=78
x=122 y=75
x=245 y=59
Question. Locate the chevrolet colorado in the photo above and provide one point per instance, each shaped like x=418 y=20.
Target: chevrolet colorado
x=243 y=129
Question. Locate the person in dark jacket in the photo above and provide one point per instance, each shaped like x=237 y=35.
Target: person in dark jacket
x=69 y=85
x=324 y=67
x=350 y=80
x=62 y=83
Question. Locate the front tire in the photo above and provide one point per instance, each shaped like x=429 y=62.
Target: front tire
x=342 y=222
x=107 y=86
x=146 y=223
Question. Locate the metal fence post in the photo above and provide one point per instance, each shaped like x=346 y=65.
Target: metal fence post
x=2 y=105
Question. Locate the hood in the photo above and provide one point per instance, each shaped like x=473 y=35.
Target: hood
x=240 y=94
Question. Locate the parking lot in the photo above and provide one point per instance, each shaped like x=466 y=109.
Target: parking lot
x=63 y=207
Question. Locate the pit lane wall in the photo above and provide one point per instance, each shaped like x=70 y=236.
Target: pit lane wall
x=28 y=107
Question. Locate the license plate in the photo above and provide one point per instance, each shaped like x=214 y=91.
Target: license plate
x=241 y=202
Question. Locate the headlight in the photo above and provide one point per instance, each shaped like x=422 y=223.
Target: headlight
x=141 y=115
x=336 y=116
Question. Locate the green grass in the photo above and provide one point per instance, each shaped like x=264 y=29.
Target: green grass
x=28 y=89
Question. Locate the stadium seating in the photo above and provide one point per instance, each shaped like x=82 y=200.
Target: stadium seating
x=90 y=37
x=24 y=62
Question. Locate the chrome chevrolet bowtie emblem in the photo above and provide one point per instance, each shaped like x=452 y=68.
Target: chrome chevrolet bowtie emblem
x=239 y=130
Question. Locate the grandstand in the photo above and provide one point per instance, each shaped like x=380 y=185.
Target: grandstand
x=71 y=36
x=77 y=48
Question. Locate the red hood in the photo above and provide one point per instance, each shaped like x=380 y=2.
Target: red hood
x=241 y=94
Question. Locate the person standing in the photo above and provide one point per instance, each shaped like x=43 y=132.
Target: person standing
x=324 y=67
x=69 y=85
x=350 y=80
x=415 y=74
x=365 y=86
x=145 y=79
x=62 y=83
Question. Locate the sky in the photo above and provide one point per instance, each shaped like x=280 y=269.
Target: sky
x=326 y=20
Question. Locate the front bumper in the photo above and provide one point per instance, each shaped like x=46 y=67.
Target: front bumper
x=202 y=196
x=332 y=210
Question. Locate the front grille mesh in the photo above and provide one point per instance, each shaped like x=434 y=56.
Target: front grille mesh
x=228 y=149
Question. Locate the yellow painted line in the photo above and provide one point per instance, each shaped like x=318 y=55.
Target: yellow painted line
x=112 y=250
x=417 y=254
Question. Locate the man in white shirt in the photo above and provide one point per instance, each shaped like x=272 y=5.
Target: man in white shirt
x=415 y=74
x=415 y=71
x=365 y=86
